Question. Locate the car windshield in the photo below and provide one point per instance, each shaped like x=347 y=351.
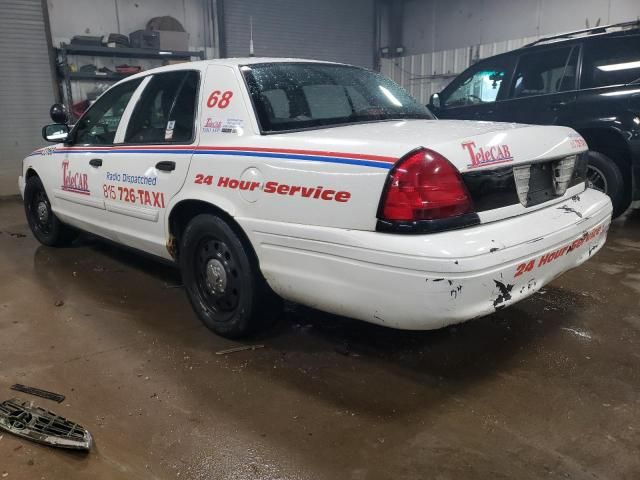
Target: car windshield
x=293 y=96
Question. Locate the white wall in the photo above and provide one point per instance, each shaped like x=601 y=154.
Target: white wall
x=437 y=25
x=101 y=17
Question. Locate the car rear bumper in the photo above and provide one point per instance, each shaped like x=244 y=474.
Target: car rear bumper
x=422 y=282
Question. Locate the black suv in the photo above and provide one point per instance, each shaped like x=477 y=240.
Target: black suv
x=588 y=80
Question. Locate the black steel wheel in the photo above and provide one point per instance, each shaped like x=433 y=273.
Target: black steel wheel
x=217 y=275
x=44 y=224
x=222 y=278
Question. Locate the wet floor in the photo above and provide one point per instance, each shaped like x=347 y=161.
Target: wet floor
x=549 y=388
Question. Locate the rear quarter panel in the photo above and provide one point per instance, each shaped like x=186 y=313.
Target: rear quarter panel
x=278 y=177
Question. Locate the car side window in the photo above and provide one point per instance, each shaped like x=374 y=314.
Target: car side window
x=482 y=85
x=99 y=125
x=545 y=72
x=165 y=111
x=611 y=61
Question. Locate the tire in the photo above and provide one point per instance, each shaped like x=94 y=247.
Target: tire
x=604 y=175
x=44 y=224
x=222 y=279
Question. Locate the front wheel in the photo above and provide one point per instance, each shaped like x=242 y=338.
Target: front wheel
x=44 y=224
x=604 y=175
x=222 y=278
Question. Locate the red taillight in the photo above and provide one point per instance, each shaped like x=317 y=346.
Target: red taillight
x=425 y=186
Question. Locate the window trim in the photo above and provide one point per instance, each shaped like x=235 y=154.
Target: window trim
x=196 y=112
x=315 y=127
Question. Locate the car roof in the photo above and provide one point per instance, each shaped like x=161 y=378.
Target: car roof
x=613 y=30
x=228 y=62
x=557 y=42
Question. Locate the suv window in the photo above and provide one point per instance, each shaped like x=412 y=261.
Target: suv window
x=545 y=72
x=480 y=85
x=99 y=125
x=166 y=109
x=611 y=61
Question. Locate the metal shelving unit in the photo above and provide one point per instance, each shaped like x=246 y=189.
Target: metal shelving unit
x=68 y=76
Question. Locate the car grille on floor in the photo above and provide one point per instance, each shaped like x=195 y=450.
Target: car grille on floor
x=34 y=423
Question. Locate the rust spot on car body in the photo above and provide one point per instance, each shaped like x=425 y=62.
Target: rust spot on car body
x=172 y=247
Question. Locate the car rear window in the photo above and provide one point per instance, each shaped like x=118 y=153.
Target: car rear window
x=292 y=96
x=611 y=61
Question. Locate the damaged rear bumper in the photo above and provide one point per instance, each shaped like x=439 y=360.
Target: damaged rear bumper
x=421 y=282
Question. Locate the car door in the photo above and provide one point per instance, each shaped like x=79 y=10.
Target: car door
x=80 y=197
x=544 y=87
x=151 y=157
x=476 y=93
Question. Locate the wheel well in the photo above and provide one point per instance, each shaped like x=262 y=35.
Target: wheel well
x=30 y=173
x=613 y=145
x=185 y=210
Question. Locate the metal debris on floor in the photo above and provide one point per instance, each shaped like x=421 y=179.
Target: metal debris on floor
x=14 y=234
x=241 y=348
x=28 y=421
x=56 y=397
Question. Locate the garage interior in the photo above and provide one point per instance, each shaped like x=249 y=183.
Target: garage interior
x=547 y=388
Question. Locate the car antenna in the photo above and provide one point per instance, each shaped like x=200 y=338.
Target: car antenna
x=251 y=52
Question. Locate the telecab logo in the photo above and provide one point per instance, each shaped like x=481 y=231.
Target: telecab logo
x=487 y=155
x=74 y=182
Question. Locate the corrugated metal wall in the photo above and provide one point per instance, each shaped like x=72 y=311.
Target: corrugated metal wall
x=335 y=30
x=27 y=90
x=429 y=73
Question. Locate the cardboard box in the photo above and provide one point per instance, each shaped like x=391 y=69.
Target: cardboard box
x=177 y=41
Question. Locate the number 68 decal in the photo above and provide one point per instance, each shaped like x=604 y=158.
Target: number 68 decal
x=219 y=99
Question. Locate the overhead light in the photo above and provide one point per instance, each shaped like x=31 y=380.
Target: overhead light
x=614 y=67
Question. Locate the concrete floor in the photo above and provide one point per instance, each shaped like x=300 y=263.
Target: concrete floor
x=549 y=388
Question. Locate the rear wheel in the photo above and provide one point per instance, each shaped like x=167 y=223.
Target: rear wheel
x=44 y=224
x=223 y=280
x=604 y=175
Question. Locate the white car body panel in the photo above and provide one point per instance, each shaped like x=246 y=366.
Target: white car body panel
x=308 y=201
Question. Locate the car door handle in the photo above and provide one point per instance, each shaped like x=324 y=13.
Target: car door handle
x=95 y=162
x=558 y=105
x=166 y=166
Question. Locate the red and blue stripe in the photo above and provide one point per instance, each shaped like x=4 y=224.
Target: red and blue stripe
x=375 y=161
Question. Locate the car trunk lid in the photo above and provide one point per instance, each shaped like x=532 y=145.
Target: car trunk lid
x=509 y=169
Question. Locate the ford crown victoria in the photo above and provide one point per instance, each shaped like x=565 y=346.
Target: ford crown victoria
x=320 y=183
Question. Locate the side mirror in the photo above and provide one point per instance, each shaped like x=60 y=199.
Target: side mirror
x=56 y=132
x=58 y=114
x=434 y=101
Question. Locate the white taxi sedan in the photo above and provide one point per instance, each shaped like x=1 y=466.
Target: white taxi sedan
x=323 y=183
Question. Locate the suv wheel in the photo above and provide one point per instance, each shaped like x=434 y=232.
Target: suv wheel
x=604 y=175
x=223 y=280
x=44 y=224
